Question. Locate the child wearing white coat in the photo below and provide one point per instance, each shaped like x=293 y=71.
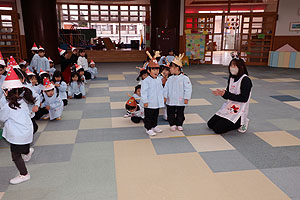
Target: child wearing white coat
x=18 y=128
x=76 y=88
x=177 y=93
x=152 y=97
x=93 y=70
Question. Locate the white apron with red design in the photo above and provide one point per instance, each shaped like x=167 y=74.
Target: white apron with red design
x=233 y=110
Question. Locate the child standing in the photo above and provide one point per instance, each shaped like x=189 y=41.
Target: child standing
x=76 y=88
x=61 y=85
x=152 y=97
x=143 y=74
x=93 y=70
x=52 y=68
x=33 y=63
x=18 y=128
x=83 y=62
x=177 y=93
x=42 y=61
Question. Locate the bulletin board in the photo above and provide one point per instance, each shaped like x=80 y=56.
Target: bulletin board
x=195 y=46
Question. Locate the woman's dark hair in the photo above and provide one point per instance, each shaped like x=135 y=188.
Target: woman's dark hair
x=75 y=74
x=137 y=87
x=240 y=63
x=144 y=71
x=128 y=107
x=57 y=73
x=21 y=75
x=83 y=50
x=15 y=95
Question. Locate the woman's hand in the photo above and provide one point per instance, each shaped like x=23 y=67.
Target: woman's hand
x=218 y=92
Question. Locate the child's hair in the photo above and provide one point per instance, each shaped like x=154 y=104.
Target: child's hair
x=57 y=73
x=22 y=66
x=35 y=75
x=17 y=94
x=180 y=69
x=137 y=87
x=41 y=78
x=35 y=51
x=75 y=74
x=171 y=50
x=83 y=50
x=80 y=70
x=144 y=71
x=41 y=50
x=22 y=75
x=240 y=63
x=128 y=107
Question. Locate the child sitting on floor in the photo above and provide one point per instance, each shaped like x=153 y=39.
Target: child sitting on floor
x=80 y=72
x=93 y=70
x=76 y=88
x=134 y=110
x=58 y=82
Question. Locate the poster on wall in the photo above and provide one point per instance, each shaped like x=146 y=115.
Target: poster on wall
x=195 y=46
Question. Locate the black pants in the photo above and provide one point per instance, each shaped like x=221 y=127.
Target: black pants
x=40 y=113
x=78 y=96
x=35 y=126
x=175 y=115
x=221 y=125
x=136 y=119
x=87 y=75
x=151 y=116
x=16 y=154
x=65 y=102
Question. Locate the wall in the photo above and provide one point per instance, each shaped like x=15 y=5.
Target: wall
x=287 y=12
x=22 y=32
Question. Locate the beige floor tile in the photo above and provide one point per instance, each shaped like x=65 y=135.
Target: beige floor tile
x=219 y=73
x=99 y=85
x=95 y=123
x=207 y=82
x=217 y=88
x=56 y=137
x=70 y=115
x=278 y=138
x=130 y=73
x=289 y=92
x=167 y=133
x=193 y=118
x=199 y=102
x=196 y=76
x=97 y=100
x=117 y=105
x=1 y=195
x=121 y=89
x=42 y=125
x=204 y=143
x=112 y=77
x=253 y=78
x=119 y=122
x=253 y=101
x=295 y=104
x=249 y=185
x=281 y=80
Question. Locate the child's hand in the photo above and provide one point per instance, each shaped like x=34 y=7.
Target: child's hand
x=35 y=108
x=69 y=97
x=47 y=107
x=57 y=85
x=186 y=101
x=165 y=100
x=83 y=97
x=146 y=105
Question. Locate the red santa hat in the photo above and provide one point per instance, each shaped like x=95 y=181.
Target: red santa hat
x=50 y=60
x=47 y=85
x=34 y=47
x=28 y=72
x=41 y=48
x=61 y=51
x=78 y=67
x=92 y=62
x=131 y=102
x=11 y=81
x=72 y=48
x=2 y=62
x=13 y=63
x=42 y=72
x=22 y=62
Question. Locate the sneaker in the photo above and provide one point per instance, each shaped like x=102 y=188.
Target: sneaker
x=20 y=179
x=58 y=118
x=47 y=116
x=180 y=128
x=126 y=116
x=173 y=128
x=27 y=157
x=156 y=129
x=244 y=127
x=150 y=132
